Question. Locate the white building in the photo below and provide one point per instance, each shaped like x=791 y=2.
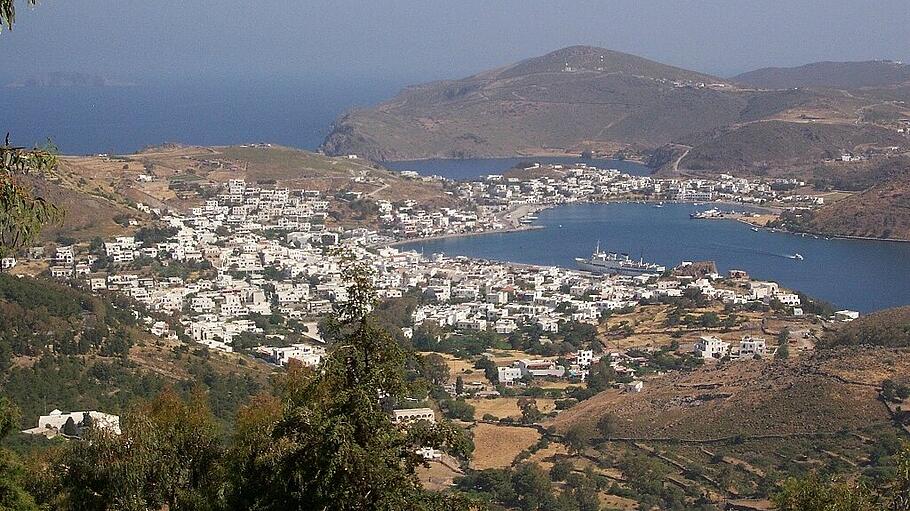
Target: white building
x=584 y=358
x=540 y=368
x=409 y=415
x=788 y=299
x=846 y=315
x=711 y=347
x=307 y=354
x=54 y=422
x=508 y=375
x=750 y=346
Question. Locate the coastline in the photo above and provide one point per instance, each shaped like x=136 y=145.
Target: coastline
x=513 y=217
x=464 y=235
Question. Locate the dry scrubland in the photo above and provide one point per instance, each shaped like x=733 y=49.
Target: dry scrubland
x=819 y=394
x=95 y=190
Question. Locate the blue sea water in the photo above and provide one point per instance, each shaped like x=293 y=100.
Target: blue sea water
x=856 y=274
x=88 y=120
x=478 y=167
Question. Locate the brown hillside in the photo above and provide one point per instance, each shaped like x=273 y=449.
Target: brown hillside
x=566 y=101
x=890 y=327
x=882 y=211
x=585 y=98
x=841 y=75
x=752 y=399
x=763 y=145
x=183 y=176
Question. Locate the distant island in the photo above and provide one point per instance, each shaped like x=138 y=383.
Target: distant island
x=64 y=79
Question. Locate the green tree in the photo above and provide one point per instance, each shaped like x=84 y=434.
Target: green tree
x=532 y=487
x=783 y=351
x=606 y=425
x=167 y=455
x=530 y=414
x=489 y=369
x=458 y=409
x=814 y=494
x=579 y=436
x=601 y=376
x=561 y=469
x=434 y=368
x=459 y=386
x=333 y=446
x=69 y=427
x=709 y=320
x=784 y=336
x=12 y=475
x=22 y=214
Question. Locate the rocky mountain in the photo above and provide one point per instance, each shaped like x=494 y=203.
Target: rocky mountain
x=585 y=98
x=571 y=99
x=839 y=75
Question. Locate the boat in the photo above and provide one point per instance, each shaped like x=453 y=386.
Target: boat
x=617 y=264
x=797 y=256
x=710 y=213
x=755 y=229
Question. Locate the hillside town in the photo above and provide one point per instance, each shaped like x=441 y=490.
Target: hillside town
x=230 y=267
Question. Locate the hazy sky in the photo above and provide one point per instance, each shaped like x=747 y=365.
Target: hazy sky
x=408 y=41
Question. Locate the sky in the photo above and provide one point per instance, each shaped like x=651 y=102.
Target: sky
x=409 y=41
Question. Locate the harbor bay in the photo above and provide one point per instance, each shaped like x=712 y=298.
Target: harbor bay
x=865 y=275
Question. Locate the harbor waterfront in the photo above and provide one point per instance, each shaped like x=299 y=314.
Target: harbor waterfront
x=865 y=275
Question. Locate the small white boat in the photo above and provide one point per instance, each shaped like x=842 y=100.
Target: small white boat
x=755 y=229
x=797 y=256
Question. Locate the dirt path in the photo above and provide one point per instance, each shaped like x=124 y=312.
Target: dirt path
x=684 y=154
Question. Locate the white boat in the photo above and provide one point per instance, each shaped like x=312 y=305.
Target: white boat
x=617 y=264
x=797 y=256
x=755 y=229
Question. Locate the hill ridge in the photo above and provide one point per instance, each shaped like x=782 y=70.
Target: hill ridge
x=833 y=74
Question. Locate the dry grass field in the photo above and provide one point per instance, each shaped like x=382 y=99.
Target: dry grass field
x=464 y=368
x=502 y=407
x=439 y=475
x=496 y=446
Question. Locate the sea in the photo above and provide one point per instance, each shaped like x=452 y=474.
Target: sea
x=861 y=275
x=121 y=120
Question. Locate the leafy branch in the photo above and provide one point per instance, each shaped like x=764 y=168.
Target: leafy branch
x=22 y=214
x=8 y=13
